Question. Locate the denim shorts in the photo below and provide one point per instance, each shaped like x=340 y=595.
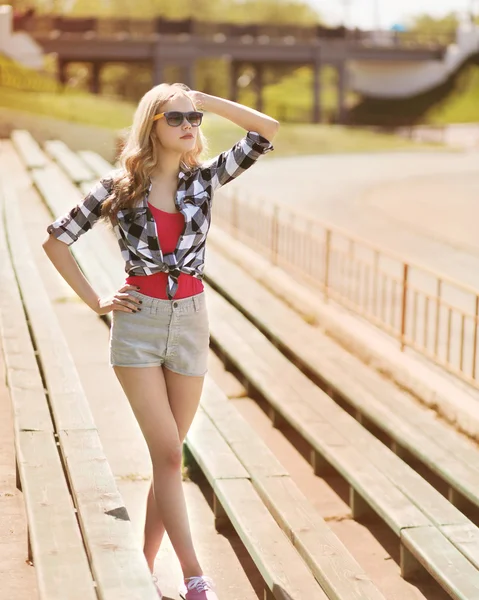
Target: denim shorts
x=173 y=333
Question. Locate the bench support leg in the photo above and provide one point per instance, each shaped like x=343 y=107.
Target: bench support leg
x=268 y=594
x=320 y=465
x=400 y=451
x=277 y=420
x=189 y=460
x=222 y=521
x=18 y=481
x=359 y=507
x=29 y=546
x=457 y=499
x=409 y=565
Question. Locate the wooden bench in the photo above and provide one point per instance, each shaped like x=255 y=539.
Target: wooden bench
x=374 y=400
x=237 y=502
x=29 y=149
x=80 y=536
x=265 y=493
x=379 y=480
x=329 y=560
x=320 y=423
x=74 y=167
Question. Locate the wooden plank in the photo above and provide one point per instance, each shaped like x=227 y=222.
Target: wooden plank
x=28 y=149
x=118 y=563
x=432 y=503
x=58 y=553
x=301 y=404
x=466 y=539
x=73 y=166
x=443 y=561
x=434 y=443
x=67 y=399
x=210 y=450
x=55 y=544
x=23 y=377
x=329 y=560
x=254 y=355
x=253 y=453
x=274 y=556
x=85 y=460
x=284 y=572
x=96 y=163
x=60 y=197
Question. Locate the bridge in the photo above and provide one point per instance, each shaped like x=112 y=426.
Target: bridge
x=161 y=43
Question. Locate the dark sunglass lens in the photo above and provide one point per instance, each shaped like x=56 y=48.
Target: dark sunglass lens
x=195 y=118
x=175 y=119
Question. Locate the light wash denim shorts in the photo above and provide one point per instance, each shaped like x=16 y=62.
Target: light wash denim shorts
x=173 y=333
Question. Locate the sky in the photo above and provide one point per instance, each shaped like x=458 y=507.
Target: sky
x=367 y=14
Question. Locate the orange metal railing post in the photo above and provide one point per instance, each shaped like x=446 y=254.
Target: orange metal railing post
x=404 y=304
x=327 y=254
x=274 y=235
x=474 y=348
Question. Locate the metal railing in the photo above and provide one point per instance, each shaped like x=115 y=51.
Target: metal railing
x=422 y=309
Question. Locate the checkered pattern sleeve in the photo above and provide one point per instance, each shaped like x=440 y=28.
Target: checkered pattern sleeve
x=231 y=163
x=70 y=226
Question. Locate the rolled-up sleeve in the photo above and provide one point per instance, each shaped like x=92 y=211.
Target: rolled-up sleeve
x=231 y=163
x=81 y=218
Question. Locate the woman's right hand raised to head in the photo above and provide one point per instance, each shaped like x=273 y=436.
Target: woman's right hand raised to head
x=120 y=300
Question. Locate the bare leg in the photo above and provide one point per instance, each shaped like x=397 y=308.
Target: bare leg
x=154 y=530
x=164 y=404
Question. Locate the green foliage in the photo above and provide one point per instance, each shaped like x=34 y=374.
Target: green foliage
x=462 y=105
x=455 y=101
x=425 y=23
x=291 y=97
x=221 y=134
x=15 y=76
x=233 y=11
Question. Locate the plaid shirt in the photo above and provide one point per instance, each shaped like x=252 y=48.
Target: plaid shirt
x=136 y=228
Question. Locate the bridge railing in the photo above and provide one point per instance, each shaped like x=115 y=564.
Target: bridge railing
x=54 y=25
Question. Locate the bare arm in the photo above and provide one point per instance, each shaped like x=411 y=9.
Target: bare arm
x=59 y=253
x=63 y=232
x=244 y=116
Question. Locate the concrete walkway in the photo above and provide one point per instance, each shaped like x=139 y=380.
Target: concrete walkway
x=417 y=204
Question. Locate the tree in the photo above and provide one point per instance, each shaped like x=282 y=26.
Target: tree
x=430 y=25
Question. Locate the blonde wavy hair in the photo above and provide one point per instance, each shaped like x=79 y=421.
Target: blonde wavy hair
x=140 y=152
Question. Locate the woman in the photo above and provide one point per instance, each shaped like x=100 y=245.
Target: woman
x=159 y=203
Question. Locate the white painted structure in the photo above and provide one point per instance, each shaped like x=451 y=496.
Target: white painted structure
x=403 y=79
x=18 y=46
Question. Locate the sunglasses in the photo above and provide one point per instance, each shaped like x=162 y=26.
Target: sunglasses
x=175 y=118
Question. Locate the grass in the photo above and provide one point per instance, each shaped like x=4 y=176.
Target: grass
x=454 y=101
x=462 y=106
x=77 y=108
x=292 y=139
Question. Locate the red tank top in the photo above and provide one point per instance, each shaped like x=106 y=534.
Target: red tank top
x=169 y=227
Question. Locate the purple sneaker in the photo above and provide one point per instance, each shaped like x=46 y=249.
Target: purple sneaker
x=198 y=588
x=155 y=581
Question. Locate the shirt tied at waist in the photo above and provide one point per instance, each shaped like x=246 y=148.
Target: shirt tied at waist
x=174 y=273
